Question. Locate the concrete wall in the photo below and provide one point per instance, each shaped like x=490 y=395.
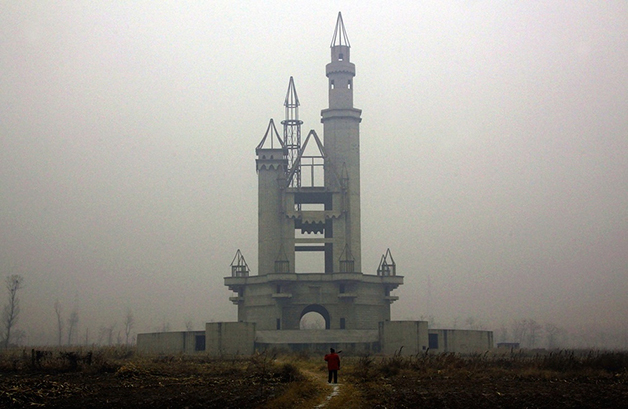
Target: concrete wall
x=349 y=341
x=411 y=335
x=362 y=303
x=170 y=342
x=461 y=341
x=229 y=338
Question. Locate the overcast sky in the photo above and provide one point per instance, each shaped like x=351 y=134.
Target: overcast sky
x=494 y=153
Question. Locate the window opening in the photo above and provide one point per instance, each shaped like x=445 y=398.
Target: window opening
x=309 y=261
x=199 y=344
x=433 y=341
x=312 y=320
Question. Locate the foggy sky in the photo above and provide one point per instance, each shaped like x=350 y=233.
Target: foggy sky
x=494 y=146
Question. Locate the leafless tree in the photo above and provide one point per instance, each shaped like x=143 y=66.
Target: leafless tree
x=519 y=330
x=11 y=311
x=60 y=322
x=129 y=323
x=534 y=332
x=106 y=333
x=502 y=333
x=431 y=321
x=18 y=336
x=189 y=326
x=552 y=334
x=72 y=323
x=471 y=323
x=165 y=327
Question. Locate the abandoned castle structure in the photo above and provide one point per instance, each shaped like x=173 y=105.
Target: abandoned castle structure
x=309 y=201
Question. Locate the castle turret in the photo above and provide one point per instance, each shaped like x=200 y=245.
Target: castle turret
x=273 y=227
x=341 y=122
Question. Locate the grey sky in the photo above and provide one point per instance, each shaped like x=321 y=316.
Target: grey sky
x=494 y=152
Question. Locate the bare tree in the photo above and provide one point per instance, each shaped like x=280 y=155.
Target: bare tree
x=18 y=336
x=106 y=333
x=519 y=330
x=11 y=311
x=72 y=323
x=534 y=331
x=165 y=327
x=502 y=333
x=471 y=323
x=129 y=323
x=189 y=326
x=60 y=322
x=554 y=335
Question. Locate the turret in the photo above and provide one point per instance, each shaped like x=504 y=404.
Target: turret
x=340 y=70
x=341 y=123
x=272 y=165
x=292 y=132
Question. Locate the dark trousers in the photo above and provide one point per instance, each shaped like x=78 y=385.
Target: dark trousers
x=334 y=373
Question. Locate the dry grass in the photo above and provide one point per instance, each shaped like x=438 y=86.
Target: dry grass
x=485 y=380
x=304 y=393
x=350 y=397
x=271 y=380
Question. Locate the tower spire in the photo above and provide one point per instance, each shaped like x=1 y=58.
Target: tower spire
x=340 y=34
x=292 y=131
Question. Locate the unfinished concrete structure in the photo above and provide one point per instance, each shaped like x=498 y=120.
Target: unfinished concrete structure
x=309 y=201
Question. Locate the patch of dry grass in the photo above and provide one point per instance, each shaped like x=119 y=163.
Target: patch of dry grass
x=304 y=393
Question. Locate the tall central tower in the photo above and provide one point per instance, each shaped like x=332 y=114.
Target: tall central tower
x=309 y=201
x=341 y=126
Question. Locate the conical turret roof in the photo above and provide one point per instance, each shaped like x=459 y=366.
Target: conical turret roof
x=292 y=100
x=340 y=34
x=271 y=137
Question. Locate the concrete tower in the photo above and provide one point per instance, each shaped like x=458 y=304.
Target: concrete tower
x=309 y=201
x=341 y=122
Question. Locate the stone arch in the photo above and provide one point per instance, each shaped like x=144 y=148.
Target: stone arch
x=318 y=309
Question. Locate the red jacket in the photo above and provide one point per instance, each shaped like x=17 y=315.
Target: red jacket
x=333 y=362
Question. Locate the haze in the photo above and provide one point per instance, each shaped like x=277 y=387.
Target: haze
x=494 y=155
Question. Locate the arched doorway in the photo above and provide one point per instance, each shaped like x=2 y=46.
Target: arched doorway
x=314 y=313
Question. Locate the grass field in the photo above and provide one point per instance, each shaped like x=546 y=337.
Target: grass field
x=117 y=377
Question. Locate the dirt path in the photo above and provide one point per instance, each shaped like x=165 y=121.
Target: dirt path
x=334 y=392
x=321 y=380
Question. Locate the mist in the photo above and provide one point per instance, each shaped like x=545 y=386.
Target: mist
x=494 y=146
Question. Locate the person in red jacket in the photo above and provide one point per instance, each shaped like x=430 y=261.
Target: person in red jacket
x=333 y=365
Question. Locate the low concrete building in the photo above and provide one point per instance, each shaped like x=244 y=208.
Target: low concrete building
x=242 y=338
x=173 y=342
x=460 y=340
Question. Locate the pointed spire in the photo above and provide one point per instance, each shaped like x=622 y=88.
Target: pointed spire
x=274 y=135
x=239 y=268
x=282 y=264
x=340 y=34
x=292 y=100
x=387 y=265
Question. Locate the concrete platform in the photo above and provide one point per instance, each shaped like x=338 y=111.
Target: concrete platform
x=316 y=336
